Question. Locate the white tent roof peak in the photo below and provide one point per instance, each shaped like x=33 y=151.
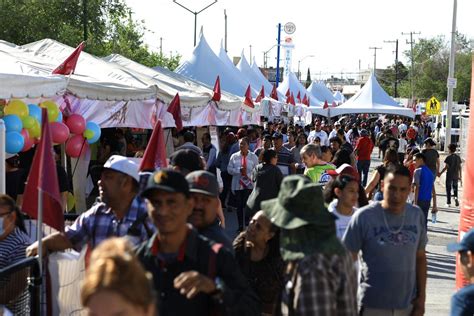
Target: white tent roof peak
x=204 y=65
x=372 y=99
x=292 y=83
x=321 y=92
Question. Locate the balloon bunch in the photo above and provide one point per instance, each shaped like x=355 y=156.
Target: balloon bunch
x=23 y=128
x=84 y=133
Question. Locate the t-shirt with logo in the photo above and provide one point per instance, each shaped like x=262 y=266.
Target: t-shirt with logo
x=318 y=173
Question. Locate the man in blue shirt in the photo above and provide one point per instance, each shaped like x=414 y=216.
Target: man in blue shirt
x=423 y=182
x=462 y=303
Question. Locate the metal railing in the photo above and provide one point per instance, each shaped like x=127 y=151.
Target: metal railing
x=20 y=285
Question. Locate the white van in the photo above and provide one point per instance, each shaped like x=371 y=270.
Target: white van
x=455 y=126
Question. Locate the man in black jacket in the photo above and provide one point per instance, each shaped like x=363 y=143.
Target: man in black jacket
x=192 y=275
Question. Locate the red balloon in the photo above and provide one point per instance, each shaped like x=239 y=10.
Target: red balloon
x=76 y=124
x=29 y=142
x=59 y=132
x=76 y=145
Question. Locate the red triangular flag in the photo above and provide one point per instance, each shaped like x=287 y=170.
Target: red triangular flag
x=333 y=104
x=291 y=99
x=248 y=98
x=326 y=105
x=274 y=94
x=305 y=99
x=43 y=178
x=155 y=152
x=217 y=90
x=175 y=109
x=287 y=94
x=298 y=97
x=261 y=95
x=69 y=65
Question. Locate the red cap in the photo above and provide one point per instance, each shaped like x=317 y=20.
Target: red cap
x=345 y=169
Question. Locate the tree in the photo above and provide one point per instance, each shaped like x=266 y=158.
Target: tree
x=109 y=24
x=387 y=78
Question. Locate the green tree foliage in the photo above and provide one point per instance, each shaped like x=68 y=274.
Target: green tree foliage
x=387 y=78
x=110 y=27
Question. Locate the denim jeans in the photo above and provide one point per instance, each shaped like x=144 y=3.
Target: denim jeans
x=454 y=184
x=363 y=168
x=425 y=206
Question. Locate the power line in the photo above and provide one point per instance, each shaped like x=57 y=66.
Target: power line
x=411 y=42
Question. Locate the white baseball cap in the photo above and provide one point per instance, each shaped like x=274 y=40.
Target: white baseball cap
x=124 y=165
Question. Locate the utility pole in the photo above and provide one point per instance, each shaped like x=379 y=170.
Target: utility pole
x=396 y=66
x=225 y=31
x=375 y=58
x=278 y=55
x=412 y=72
x=250 y=53
x=195 y=15
x=161 y=46
x=451 y=81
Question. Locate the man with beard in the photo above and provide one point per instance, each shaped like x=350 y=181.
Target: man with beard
x=120 y=213
x=204 y=190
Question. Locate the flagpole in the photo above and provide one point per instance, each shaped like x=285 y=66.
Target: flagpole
x=39 y=231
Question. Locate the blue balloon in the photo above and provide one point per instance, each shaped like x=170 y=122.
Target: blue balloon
x=35 y=111
x=13 y=123
x=96 y=129
x=60 y=117
x=14 y=142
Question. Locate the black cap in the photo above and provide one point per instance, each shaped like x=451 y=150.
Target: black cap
x=203 y=182
x=167 y=180
x=186 y=160
x=277 y=135
x=466 y=243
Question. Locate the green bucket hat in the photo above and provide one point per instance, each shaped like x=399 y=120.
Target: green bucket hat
x=307 y=227
x=300 y=202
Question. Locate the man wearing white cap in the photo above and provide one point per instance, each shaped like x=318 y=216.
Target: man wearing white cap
x=120 y=213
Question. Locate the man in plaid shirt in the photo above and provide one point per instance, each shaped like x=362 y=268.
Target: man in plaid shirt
x=320 y=276
x=120 y=213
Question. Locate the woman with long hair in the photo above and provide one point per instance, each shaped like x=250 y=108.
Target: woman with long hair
x=390 y=158
x=257 y=251
x=116 y=283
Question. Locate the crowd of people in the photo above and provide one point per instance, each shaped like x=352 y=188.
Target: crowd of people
x=316 y=235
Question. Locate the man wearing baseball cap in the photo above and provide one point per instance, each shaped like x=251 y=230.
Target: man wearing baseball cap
x=462 y=303
x=191 y=274
x=204 y=190
x=120 y=213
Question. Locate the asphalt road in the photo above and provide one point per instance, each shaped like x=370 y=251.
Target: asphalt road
x=441 y=264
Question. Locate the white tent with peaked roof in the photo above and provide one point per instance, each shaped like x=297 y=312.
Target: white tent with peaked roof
x=204 y=65
x=372 y=99
x=321 y=92
x=339 y=97
x=249 y=75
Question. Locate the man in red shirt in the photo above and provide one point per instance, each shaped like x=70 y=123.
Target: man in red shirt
x=363 y=150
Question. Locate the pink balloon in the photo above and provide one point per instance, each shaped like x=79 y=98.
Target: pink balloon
x=75 y=144
x=59 y=132
x=29 y=142
x=76 y=124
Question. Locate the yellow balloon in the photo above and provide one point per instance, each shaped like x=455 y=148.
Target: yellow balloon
x=28 y=122
x=35 y=130
x=53 y=110
x=17 y=107
x=71 y=201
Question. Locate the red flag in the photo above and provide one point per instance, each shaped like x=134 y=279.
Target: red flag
x=333 y=104
x=291 y=99
x=274 y=94
x=298 y=97
x=326 y=105
x=217 y=90
x=69 y=65
x=44 y=179
x=287 y=94
x=175 y=109
x=155 y=152
x=466 y=219
x=305 y=99
x=248 y=98
x=261 y=95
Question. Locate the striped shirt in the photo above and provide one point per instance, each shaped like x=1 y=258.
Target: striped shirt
x=12 y=250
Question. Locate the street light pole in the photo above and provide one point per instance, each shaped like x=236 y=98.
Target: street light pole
x=299 y=62
x=195 y=15
x=452 y=57
x=396 y=66
x=375 y=58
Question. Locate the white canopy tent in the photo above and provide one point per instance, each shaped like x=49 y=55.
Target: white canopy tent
x=340 y=98
x=371 y=99
x=204 y=65
x=248 y=74
x=321 y=92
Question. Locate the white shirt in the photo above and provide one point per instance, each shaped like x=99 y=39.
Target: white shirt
x=342 y=221
x=402 y=145
x=323 y=136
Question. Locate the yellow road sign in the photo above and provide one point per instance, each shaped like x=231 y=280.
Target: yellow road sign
x=433 y=107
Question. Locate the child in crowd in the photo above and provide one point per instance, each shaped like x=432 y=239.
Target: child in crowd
x=423 y=182
x=453 y=174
